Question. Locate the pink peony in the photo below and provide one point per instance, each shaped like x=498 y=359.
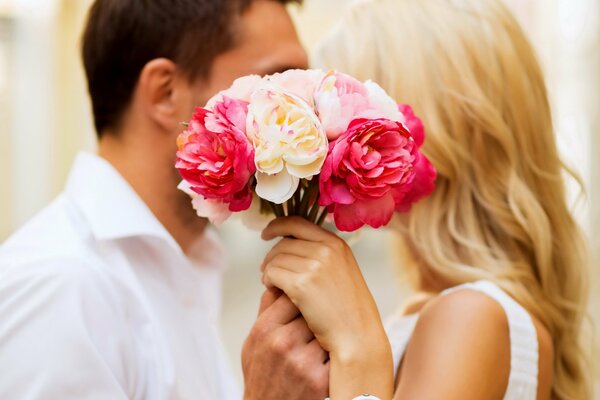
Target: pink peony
x=422 y=185
x=299 y=82
x=241 y=89
x=216 y=211
x=425 y=174
x=340 y=99
x=371 y=172
x=413 y=124
x=215 y=156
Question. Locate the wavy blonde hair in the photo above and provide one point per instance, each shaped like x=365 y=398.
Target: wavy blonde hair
x=499 y=211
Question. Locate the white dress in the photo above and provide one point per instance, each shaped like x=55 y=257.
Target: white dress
x=523 y=378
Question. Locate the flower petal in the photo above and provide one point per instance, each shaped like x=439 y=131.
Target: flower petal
x=216 y=211
x=276 y=188
x=241 y=89
x=413 y=124
x=381 y=105
x=376 y=212
x=253 y=218
x=306 y=171
x=340 y=193
x=185 y=187
x=422 y=185
x=345 y=218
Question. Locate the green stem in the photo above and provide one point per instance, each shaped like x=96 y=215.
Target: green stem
x=265 y=207
x=297 y=200
x=314 y=211
x=277 y=209
x=273 y=208
x=309 y=193
x=322 y=217
x=290 y=207
x=280 y=211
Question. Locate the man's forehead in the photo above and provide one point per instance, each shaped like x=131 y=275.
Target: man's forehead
x=266 y=43
x=267 y=23
x=268 y=39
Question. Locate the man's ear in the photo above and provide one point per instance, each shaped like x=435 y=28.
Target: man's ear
x=156 y=88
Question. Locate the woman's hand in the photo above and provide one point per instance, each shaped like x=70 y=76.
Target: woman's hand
x=319 y=273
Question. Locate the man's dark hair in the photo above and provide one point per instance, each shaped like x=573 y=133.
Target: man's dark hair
x=122 y=36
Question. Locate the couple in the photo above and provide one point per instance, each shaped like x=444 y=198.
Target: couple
x=112 y=292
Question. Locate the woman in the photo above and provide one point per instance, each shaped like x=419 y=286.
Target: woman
x=499 y=261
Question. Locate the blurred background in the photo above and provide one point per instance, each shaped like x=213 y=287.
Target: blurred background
x=45 y=120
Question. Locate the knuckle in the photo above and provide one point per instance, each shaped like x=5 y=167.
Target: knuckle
x=338 y=244
x=309 y=371
x=296 y=366
x=318 y=382
x=300 y=284
x=315 y=265
x=324 y=252
x=281 y=345
x=266 y=270
x=312 y=280
x=269 y=273
x=313 y=277
x=292 y=291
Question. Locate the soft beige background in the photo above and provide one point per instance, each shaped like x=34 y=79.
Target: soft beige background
x=45 y=120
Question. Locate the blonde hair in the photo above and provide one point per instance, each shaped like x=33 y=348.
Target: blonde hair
x=499 y=210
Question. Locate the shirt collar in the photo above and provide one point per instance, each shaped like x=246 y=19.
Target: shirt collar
x=109 y=204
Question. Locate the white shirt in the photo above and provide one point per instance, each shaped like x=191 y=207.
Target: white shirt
x=97 y=301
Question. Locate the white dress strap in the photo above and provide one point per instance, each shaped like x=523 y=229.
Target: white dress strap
x=399 y=330
x=523 y=378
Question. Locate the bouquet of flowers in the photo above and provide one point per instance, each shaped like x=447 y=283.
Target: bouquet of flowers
x=305 y=143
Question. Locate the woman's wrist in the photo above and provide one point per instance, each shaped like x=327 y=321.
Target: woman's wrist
x=352 y=345
x=364 y=367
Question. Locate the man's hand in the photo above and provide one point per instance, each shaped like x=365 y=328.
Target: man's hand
x=281 y=358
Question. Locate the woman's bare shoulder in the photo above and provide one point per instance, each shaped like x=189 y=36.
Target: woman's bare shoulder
x=460 y=350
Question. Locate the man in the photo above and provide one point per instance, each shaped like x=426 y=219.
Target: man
x=112 y=292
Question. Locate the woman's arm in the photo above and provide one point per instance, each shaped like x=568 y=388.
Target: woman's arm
x=318 y=272
x=460 y=348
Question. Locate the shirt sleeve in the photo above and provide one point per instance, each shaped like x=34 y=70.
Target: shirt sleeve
x=62 y=335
